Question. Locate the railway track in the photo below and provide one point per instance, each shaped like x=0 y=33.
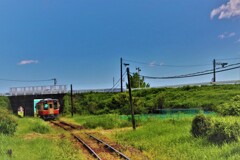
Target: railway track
x=95 y=146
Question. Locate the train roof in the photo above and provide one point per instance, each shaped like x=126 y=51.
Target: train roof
x=47 y=99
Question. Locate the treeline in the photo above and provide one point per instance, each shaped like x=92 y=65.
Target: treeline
x=148 y=100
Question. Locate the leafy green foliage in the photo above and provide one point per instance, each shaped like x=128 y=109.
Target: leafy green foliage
x=4 y=103
x=224 y=132
x=232 y=107
x=147 y=100
x=106 y=122
x=201 y=125
x=40 y=127
x=216 y=130
x=137 y=81
x=8 y=123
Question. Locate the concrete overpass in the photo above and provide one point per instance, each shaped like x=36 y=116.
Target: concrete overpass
x=25 y=96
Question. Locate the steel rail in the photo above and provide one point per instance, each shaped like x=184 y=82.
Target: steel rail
x=59 y=125
x=87 y=146
x=109 y=147
x=92 y=152
x=70 y=125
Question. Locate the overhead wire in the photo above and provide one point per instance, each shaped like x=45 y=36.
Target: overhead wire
x=210 y=70
x=188 y=75
x=228 y=59
x=14 y=80
x=165 y=65
x=114 y=86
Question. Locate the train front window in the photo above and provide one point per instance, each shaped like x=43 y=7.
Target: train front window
x=46 y=106
x=50 y=105
x=55 y=105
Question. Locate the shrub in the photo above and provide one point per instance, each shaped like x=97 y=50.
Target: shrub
x=8 y=123
x=40 y=128
x=5 y=103
x=201 y=125
x=231 y=108
x=224 y=132
x=106 y=122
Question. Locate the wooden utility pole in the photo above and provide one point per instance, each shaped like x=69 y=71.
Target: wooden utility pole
x=214 y=70
x=121 y=76
x=71 y=100
x=138 y=71
x=130 y=99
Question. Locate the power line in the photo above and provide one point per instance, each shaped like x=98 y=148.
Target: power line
x=210 y=70
x=189 y=75
x=165 y=65
x=228 y=59
x=14 y=80
x=114 y=86
x=200 y=72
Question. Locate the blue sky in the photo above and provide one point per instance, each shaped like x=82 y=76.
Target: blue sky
x=80 y=42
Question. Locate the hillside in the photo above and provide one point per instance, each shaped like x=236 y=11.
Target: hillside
x=147 y=100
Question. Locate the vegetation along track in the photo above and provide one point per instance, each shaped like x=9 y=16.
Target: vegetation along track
x=94 y=145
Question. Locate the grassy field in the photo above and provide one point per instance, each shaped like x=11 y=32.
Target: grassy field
x=28 y=144
x=171 y=139
x=167 y=138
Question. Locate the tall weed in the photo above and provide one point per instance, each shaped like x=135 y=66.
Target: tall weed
x=8 y=123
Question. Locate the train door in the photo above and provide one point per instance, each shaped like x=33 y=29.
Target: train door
x=35 y=101
x=51 y=108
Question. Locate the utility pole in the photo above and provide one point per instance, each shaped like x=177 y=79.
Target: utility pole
x=214 y=70
x=223 y=64
x=130 y=99
x=113 y=81
x=138 y=71
x=54 y=81
x=121 y=76
x=71 y=100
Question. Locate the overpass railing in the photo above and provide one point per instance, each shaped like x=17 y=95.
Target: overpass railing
x=97 y=90
x=36 y=90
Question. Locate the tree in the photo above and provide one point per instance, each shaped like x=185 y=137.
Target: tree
x=137 y=81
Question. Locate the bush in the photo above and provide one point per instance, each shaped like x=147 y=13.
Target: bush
x=231 y=108
x=224 y=132
x=217 y=130
x=106 y=122
x=8 y=123
x=201 y=125
x=5 y=103
x=40 y=128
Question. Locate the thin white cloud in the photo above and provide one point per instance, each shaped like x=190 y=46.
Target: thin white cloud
x=226 y=35
x=238 y=41
x=161 y=63
x=24 y=62
x=221 y=36
x=228 y=10
x=152 y=64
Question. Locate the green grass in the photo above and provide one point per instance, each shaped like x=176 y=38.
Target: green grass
x=167 y=137
x=171 y=139
x=109 y=121
x=147 y=100
x=27 y=144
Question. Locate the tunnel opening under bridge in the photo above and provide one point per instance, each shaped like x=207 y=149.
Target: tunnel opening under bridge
x=28 y=102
